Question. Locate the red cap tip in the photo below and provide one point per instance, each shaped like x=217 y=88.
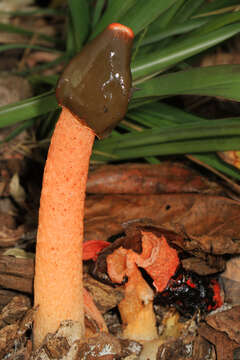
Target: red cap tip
x=122 y=28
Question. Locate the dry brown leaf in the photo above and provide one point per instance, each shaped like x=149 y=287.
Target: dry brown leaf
x=224 y=346
x=232 y=271
x=202 y=267
x=167 y=177
x=221 y=58
x=231 y=281
x=227 y=321
x=202 y=349
x=13 y=88
x=208 y=223
x=231 y=157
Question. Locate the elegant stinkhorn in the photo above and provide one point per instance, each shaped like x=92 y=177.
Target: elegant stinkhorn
x=94 y=92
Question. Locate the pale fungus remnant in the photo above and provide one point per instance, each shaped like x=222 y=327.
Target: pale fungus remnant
x=160 y=261
x=94 y=92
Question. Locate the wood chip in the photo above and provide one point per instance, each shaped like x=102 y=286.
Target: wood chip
x=9 y=237
x=8 y=336
x=105 y=297
x=227 y=321
x=16 y=274
x=6 y=296
x=224 y=346
x=202 y=349
x=14 y=310
x=103 y=347
x=56 y=347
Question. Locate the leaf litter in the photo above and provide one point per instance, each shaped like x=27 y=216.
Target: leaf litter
x=199 y=224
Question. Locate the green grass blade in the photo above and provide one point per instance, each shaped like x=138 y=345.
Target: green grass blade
x=144 y=13
x=46 y=124
x=214 y=161
x=43 y=79
x=188 y=9
x=172 y=148
x=18 y=30
x=27 y=46
x=161 y=110
x=222 y=80
x=214 y=6
x=38 y=12
x=70 y=39
x=165 y=18
x=115 y=10
x=27 y=109
x=38 y=68
x=97 y=12
x=79 y=12
x=179 y=50
x=163 y=115
x=217 y=22
x=200 y=130
x=20 y=128
x=172 y=30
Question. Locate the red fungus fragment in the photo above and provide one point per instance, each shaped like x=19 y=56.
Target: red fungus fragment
x=92 y=248
x=217 y=294
x=160 y=261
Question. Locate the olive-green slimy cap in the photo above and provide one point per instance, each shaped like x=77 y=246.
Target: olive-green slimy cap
x=96 y=84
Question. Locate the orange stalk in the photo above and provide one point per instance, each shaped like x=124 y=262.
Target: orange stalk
x=60 y=232
x=95 y=86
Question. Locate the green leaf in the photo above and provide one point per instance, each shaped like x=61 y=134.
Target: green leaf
x=159 y=110
x=214 y=161
x=43 y=79
x=188 y=9
x=79 y=10
x=27 y=109
x=171 y=148
x=115 y=9
x=37 y=12
x=23 y=126
x=38 y=68
x=188 y=131
x=18 y=30
x=97 y=12
x=26 y=46
x=222 y=80
x=144 y=13
x=166 y=18
x=70 y=40
x=172 y=30
x=159 y=60
x=162 y=115
x=217 y=22
x=219 y=6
